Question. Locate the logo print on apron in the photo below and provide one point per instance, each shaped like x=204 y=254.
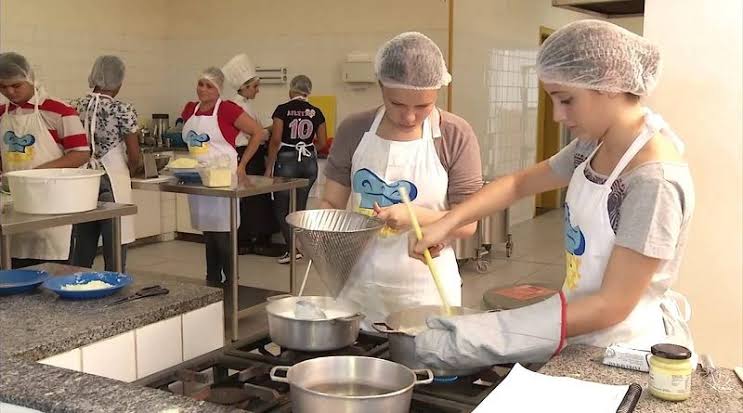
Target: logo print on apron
x=20 y=148
x=373 y=189
x=197 y=142
x=575 y=246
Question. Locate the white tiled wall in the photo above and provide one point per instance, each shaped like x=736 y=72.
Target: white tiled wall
x=495 y=44
x=166 y=44
x=62 y=40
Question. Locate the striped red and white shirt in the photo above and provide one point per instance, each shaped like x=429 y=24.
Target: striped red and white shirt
x=60 y=118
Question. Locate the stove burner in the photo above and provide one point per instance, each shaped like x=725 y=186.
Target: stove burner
x=228 y=396
x=445 y=379
x=266 y=351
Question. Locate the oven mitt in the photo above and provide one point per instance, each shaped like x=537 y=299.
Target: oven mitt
x=524 y=335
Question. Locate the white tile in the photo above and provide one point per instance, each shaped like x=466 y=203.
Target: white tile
x=114 y=358
x=159 y=346
x=203 y=330
x=68 y=360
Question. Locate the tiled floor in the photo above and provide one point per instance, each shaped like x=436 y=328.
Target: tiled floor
x=537 y=257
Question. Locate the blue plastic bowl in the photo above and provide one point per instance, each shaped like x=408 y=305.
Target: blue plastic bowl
x=117 y=280
x=20 y=281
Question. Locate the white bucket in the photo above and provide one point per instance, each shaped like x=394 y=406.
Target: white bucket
x=54 y=191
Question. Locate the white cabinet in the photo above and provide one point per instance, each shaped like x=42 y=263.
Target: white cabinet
x=69 y=360
x=147 y=220
x=203 y=330
x=159 y=346
x=149 y=349
x=113 y=357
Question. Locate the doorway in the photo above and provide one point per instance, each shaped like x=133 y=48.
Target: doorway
x=548 y=139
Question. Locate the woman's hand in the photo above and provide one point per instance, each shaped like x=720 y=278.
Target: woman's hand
x=242 y=176
x=395 y=216
x=435 y=237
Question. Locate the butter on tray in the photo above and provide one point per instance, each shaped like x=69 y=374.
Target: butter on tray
x=183 y=163
x=216 y=177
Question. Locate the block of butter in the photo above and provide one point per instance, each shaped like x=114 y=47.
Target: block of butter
x=216 y=177
x=623 y=356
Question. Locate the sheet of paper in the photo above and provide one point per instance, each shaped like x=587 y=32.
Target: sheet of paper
x=526 y=391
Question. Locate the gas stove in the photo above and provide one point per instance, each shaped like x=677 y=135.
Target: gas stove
x=238 y=376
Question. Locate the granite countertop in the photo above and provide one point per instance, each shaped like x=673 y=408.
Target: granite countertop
x=584 y=363
x=38 y=325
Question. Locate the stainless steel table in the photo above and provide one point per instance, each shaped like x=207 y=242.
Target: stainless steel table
x=255 y=185
x=14 y=222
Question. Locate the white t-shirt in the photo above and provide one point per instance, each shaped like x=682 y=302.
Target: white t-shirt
x=247 y=105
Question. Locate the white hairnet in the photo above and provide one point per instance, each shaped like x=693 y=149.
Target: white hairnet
x=214 y=75
x=107 y=73
x=411 y=61
x=15 y=67
x=598 y=55
x=301 y=84
x=238 y=71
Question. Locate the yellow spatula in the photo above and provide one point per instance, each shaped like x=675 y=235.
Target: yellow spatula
x=426 y=253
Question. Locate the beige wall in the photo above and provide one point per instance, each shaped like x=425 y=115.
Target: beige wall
x=494 y=40
x=62 y=39
x=167 y=43
x=701 y=96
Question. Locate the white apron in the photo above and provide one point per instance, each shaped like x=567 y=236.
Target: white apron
x=26 y=143
x=206 y=143
x=589 y=241
x=386 y=279
x=114 y=163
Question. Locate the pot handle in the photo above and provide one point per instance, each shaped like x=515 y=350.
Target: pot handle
x=427 y=380
x=278 y=297
x=357 y=316
x=280 y=379
x=383 y=328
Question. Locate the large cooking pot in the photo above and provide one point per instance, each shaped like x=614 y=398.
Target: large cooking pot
x=340 y=328
x=401 y=328
x=341 y=384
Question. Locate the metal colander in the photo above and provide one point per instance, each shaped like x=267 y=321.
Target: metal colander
x=333 y=239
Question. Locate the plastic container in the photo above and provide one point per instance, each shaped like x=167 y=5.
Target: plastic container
x=54 y=191
x=216 y=177
x=670 y=372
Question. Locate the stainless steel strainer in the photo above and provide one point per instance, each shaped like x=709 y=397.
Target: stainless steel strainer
x=333 y=239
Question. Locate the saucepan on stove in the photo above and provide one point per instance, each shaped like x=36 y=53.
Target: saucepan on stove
x=351 y=384
x=312 y=323
x=401 y=328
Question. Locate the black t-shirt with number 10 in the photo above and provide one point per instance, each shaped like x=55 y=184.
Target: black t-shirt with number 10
x=301 y=120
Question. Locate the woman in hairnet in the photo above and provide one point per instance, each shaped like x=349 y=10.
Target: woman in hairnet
x=37 y=131
x=292 y=153
x=211 y=128
x=112 y=128
x=407 y=142
x=629 y=202
x=258 y=223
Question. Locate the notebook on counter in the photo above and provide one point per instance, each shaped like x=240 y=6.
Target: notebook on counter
x=526 y=391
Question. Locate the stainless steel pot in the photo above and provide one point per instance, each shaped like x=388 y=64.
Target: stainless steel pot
x=339 y=330
x=401 y=328
x=341 y=384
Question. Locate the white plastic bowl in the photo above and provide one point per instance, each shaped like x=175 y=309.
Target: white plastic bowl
x=54 y=191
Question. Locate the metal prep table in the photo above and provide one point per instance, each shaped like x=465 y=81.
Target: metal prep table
x=256 y=185
x=13 y=222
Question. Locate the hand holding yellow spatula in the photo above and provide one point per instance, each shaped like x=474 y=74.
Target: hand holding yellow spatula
x=426 y=253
